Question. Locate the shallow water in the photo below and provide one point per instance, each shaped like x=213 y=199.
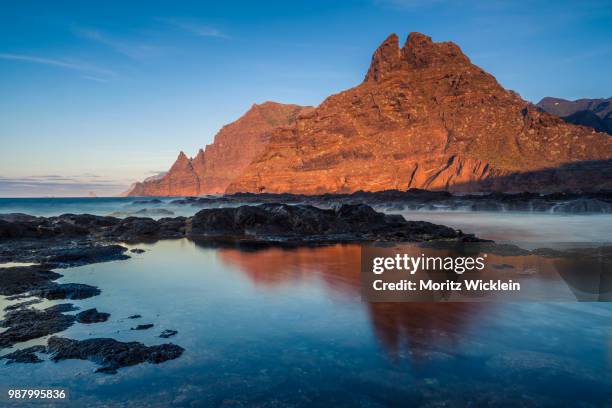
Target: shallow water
x=279 y=327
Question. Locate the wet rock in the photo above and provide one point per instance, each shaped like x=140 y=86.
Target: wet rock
x=27 y=324
x=154 y=211
x=137 y=251
x=22 y=305
x=136 y=316
x=62 y=308
x=168 y=333
x=152 y=201
x=111 y=354
x=92 y=316
x=132 y=228
x=281 y=222
x=27 y=355
x=143 y=326
x=172 y=227
x=417 y=199
x=21 y=279
x=66 y=291
x=84 y=255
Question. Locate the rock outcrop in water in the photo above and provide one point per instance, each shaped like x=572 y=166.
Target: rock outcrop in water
x=263 y=223
x=111 y=354
x=234 y=147
x=426 y=117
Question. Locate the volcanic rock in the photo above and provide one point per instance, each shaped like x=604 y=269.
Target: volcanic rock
x=168 y=333
x=27 y=324
x=281 y=222
x=21 y=279
x=27 y=355
x=143 y=326
x=92 y=316
x=111 y=354
x=233 y=148
x=426 y=117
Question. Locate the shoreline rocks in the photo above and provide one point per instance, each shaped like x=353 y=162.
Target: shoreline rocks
x=270 y=222
x=427 y=200
x=111 y=354
x=92 y=316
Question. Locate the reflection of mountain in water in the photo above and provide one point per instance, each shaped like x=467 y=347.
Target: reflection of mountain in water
x=337 y=266
x=422 y=328
x=419 y=327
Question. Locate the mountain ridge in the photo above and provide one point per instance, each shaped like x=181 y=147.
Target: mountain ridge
x=424 y=117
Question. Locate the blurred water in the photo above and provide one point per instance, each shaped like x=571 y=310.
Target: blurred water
x=281 y=327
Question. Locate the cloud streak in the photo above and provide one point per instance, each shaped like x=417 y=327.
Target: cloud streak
x=60 y=63
x=197 y=29
x=131 y=49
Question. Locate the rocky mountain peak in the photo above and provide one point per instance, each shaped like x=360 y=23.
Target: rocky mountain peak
x=385 y=59
x=420 y=51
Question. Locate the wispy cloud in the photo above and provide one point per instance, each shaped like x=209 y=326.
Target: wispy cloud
x=55 y=185
x=195 y=28
x=129 y=48
x=100 y=73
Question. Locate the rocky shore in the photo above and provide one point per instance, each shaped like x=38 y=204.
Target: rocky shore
x=52 y=243
x=426 y=200
x=69 y=240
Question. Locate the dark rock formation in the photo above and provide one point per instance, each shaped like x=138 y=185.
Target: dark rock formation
x=143 y=326
x=281 y=222
x=265 y=223
x=73 y=291
x=25 y=356
x=111 y=354
x=27 y=324
x=21 y=279
x=168 y=333
x=91 y=316
x=416 y=199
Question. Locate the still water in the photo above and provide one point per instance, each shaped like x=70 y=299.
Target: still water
x=278 y=327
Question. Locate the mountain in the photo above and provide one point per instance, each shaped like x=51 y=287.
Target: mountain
x=595 y=113
x=426 y=117
x=233 y=148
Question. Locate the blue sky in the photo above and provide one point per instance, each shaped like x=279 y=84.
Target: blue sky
x=96 y=95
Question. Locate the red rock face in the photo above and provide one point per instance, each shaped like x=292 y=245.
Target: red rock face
x=426 y=117
x=234 y=147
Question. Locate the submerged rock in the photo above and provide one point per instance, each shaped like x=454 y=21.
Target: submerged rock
x=111 y=354
x=143 y=326
x=66 y=291
x=27 y=355
x=136 y=316
x=168 y=333
x=92 y=316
